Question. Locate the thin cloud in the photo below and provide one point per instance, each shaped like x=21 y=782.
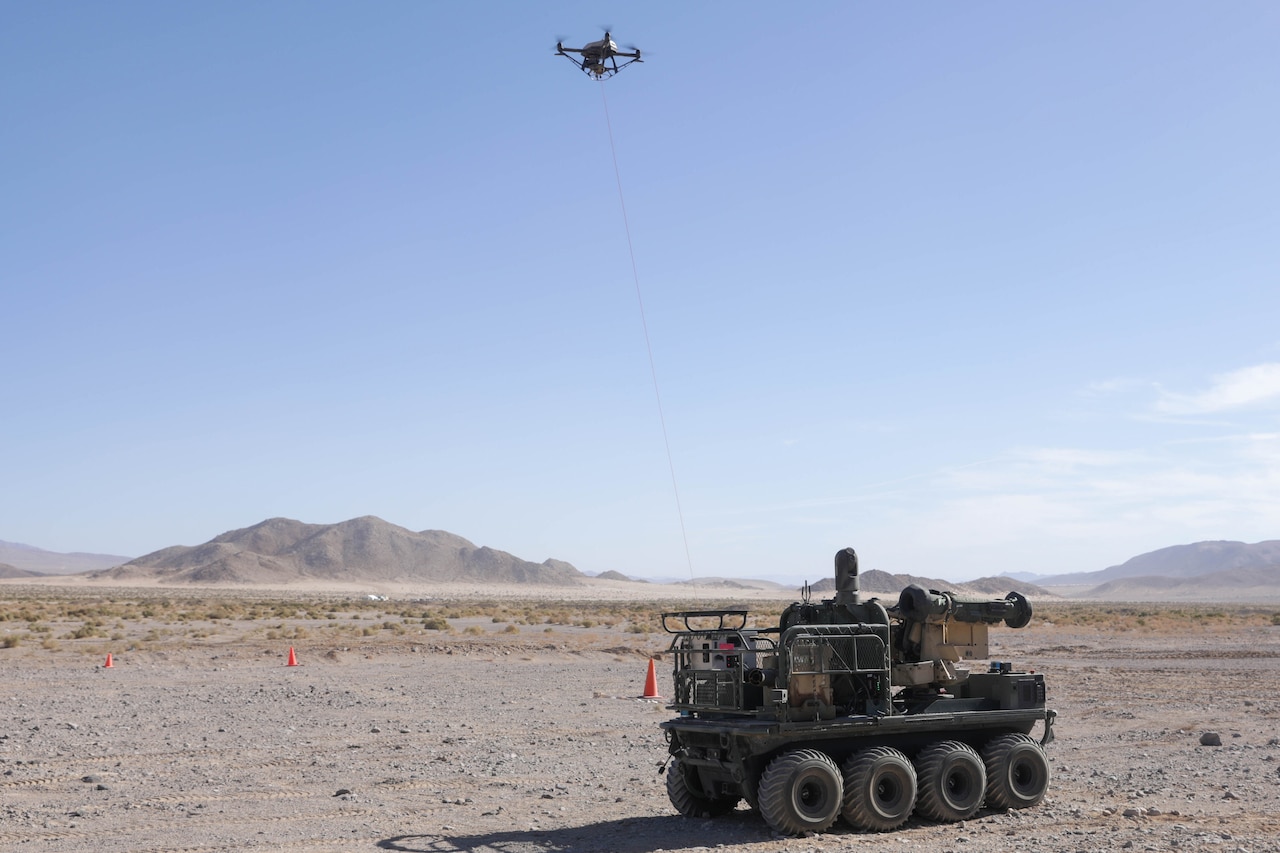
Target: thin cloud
x=1258 y=385
x=1046 y=509
x=1116 y=385
x=1071 y=457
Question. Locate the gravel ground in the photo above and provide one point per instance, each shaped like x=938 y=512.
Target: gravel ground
x=506 y=744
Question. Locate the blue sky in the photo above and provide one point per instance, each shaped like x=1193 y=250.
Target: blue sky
x=973 y=288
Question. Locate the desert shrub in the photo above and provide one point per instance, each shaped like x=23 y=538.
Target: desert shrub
x=511 y=629
x=223 y=611
x=435 y=623
x=88 y=629
x=10 y=641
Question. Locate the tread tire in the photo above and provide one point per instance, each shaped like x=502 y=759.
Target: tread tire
x=690 y=803
x=879 y=789
x=1017 y=772
x=801 y=791
x=952 y=781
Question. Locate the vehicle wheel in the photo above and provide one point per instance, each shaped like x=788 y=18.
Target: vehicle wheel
x=879 y=789
x=801 y=791
x=1017 y=772
x=953 y=781
x=690 y=802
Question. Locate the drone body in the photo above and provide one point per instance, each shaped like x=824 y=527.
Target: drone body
x=600 y=58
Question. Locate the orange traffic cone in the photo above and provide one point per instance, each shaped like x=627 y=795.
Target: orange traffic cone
x=293 y=659
x=108 y=664
x=651 y=683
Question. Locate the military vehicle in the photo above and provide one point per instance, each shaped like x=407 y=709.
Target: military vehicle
x=852 y=709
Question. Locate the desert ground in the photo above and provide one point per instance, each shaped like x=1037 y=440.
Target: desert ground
x=461 y=722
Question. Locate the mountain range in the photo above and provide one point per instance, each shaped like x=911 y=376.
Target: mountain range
x=876 y=582
x=282 y=550
x=8 y=571
x=31 y=559
x=1217 y=570
x=1182 y=561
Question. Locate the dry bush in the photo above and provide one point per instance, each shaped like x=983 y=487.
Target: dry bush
x=1152 y=617
x=88 y=629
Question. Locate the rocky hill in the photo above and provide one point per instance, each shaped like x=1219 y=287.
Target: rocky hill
x=611 y=575
x=281 y=550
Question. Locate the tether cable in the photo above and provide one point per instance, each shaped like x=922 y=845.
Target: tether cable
x=644 y=324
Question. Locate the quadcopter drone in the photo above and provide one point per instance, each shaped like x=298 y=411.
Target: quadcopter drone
x=600 y=58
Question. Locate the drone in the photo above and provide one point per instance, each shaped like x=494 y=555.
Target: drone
x=600 y=58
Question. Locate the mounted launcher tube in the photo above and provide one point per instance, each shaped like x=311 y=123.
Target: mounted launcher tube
x=939 y=629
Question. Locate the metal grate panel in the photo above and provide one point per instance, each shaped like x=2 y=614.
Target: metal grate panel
x=817 y=655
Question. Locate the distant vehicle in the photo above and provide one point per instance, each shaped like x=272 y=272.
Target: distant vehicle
x=600 y=58
x=852 y=709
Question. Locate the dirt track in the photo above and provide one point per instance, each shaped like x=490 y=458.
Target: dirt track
x=518 y=744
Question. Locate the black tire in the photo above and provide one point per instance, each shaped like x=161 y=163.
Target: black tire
x=691 y=803
x=801 y=791
x=879 y=789
x=952 y=781
x=1017 y=772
